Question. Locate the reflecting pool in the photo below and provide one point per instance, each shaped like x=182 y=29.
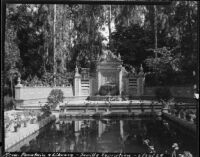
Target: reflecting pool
x=111 y=135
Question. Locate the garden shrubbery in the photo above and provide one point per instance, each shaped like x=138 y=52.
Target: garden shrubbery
x=56 y=96
x=163 y=94
x=9 y=103
x=46 y=109
x=109 y=90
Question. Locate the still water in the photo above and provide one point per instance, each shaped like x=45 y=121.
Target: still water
x=110 y=135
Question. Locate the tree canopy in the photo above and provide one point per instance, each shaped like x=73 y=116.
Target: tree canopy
x=29 y=39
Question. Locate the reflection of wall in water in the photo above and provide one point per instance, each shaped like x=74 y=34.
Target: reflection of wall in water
x=77 y=128
x=121 y=128
x=135 y=126
x=101 y=128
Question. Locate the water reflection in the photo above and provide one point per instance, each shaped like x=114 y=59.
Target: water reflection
x=109 y=135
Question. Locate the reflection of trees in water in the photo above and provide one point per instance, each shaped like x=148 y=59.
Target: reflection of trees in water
x=66 y=138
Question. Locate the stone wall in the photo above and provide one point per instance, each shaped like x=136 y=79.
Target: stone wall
x=41 y=92
x=186 y=92
x=36 y=95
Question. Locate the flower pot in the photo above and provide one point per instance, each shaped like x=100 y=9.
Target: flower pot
x=15 y=128
x=25 y=124
x=31 y=121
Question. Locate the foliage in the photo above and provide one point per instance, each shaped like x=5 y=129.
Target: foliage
x=176 y=31
x=163 y=94
x=6 y=120
x=46 y=109
x=131 y=43
x=87 y=39
x=182 y=114
x=48 y=80
x=9 y=103
x=29 y=39
x=124 y=96
x=55 y=96
x=163 y=63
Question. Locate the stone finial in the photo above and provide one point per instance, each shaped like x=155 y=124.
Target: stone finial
x=141 y=68
x=76 y=69
x=133 y=70
x=19 y=80
x=77 y=72
x=119 y=56
x=141 y=73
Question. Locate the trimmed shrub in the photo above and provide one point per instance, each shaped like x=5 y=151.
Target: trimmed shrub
x=56 y=96
x=46 y=109
x=163 y=93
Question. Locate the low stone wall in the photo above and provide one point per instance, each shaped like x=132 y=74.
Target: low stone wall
x=186 y=92
x=27 y=93
x=37 y=95
x=104 y=98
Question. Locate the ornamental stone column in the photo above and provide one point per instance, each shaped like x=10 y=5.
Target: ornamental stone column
x=18 y=93
x=99 y=79
x=120 y=81
x=18 y=89
x=77 y=83
x=140 y=82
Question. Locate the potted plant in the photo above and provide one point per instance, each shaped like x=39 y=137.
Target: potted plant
x=182 y=114
x=142 y=107
x=190 y=115
x=187 y=116
x=15 y=127
x=32 y=121
x=177 y=113
x=25 y=123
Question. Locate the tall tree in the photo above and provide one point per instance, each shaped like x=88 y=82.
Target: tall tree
x=54 y=42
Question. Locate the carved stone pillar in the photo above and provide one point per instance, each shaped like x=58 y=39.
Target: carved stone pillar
x=77 y=83
x=99 y=79
x=120 y=82
x=18 y=89
x=140 y=82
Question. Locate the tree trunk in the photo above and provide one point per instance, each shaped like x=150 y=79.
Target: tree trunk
x=128 y=16
x=109 y=23
x=156 y=39
x=11 y=83
x=54 y=42
x=155 y=29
